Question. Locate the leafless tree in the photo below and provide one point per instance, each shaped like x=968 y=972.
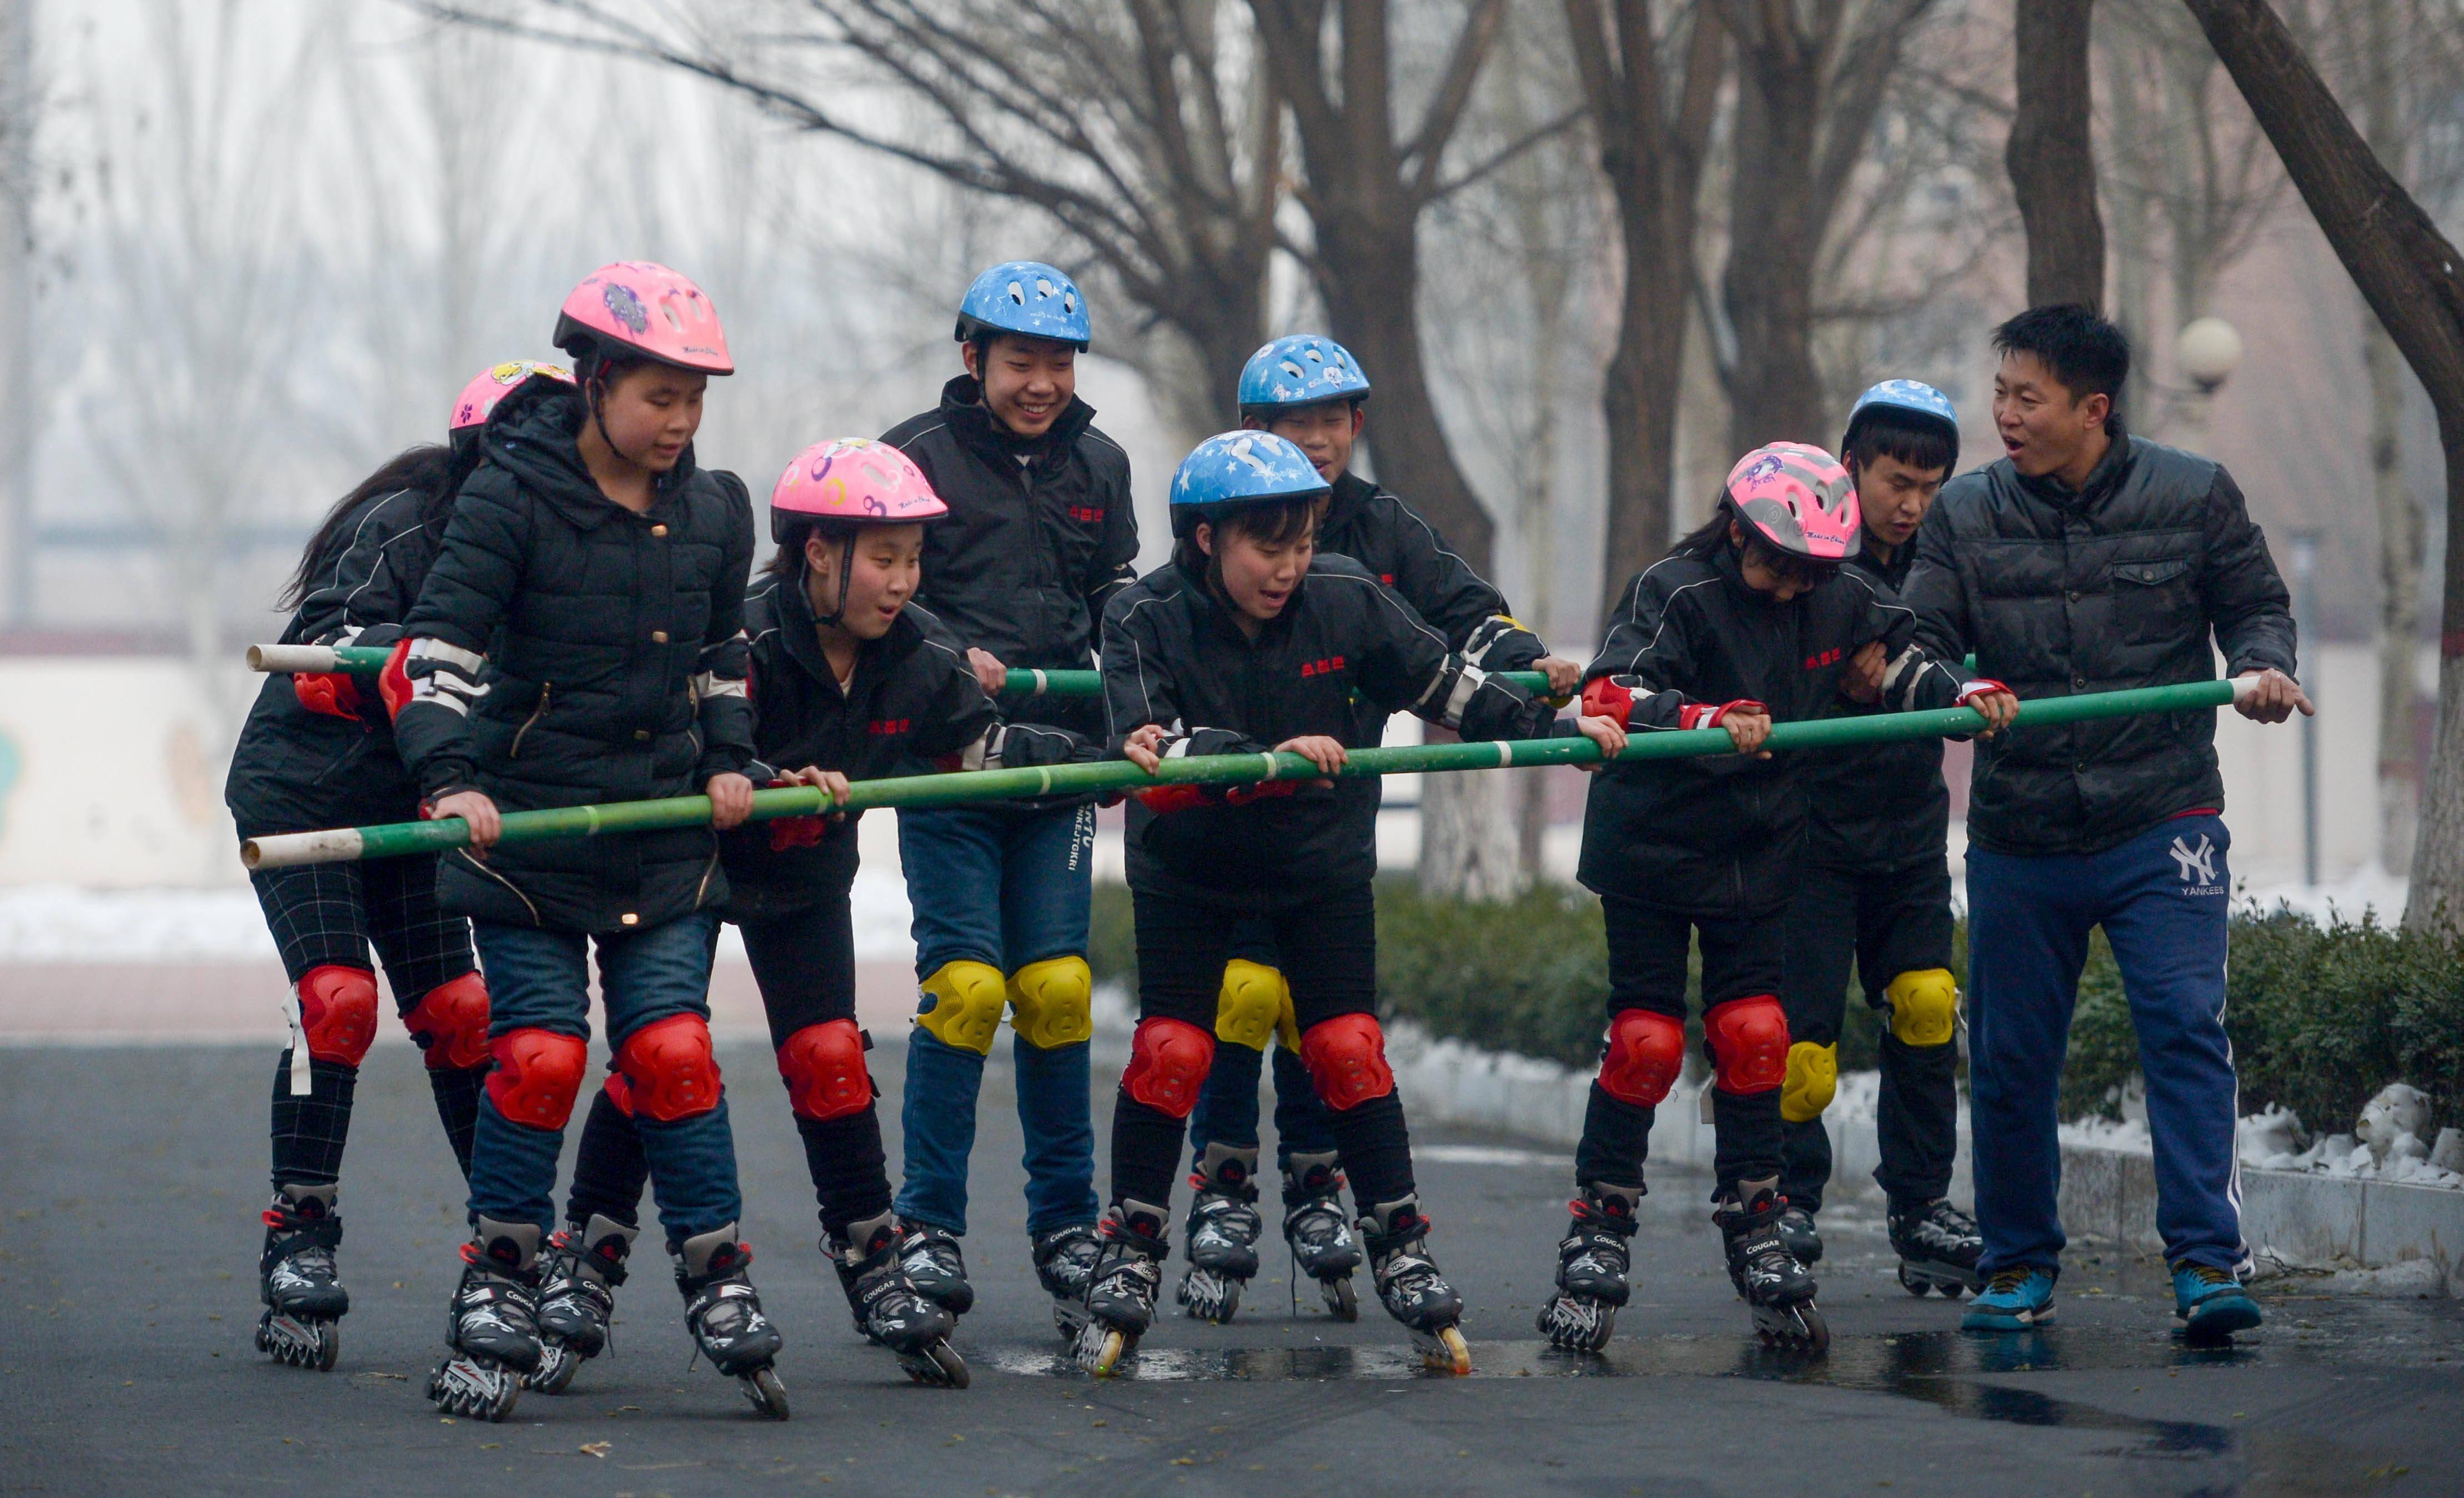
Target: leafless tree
x=2052 y=154
x=1650 y=74
x=2414 y=278
x=1812 y=79
x=1141 y=132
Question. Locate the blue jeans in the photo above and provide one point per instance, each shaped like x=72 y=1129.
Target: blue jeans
x=1005 y=889
x=1227 y=1105
x=541 y=979
x=2161 y=898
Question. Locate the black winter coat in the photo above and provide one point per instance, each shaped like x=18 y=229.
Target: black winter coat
x=1880 y=808
x=298 y=771
x=1405 y=552
x=1175 y=655
x=912 y=706
x=1039 y=536
x=1720 y=835
x=613 y=670
x=2116 y=585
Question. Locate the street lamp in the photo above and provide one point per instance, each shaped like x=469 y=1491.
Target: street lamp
x=2209 y=351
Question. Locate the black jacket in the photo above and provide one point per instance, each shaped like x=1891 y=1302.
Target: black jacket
x=613 y=670
x=1174 y=654
x=1719 y=834
x=2116 y=585
x=1405 y=552
x=912 y=706
x=1039 y=538
x=297 y=771
x=1881 y=807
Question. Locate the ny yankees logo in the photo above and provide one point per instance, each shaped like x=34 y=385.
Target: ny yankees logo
x=2199 y=864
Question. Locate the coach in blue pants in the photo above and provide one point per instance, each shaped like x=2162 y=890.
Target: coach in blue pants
x=2088 y=560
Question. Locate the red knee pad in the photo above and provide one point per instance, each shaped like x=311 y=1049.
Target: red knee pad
x=538 y=1074
x=338 y=1013
x=1646 y=1054
x=618 y=1092
x=824 y=1067
x=1749 y=1044
x=451 y=1025
x=1346 y=1057
x=669 y=1068
x=1169 y=1060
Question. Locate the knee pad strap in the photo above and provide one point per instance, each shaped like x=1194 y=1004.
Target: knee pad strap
x=824 y=1067
x=963 y=1006
x=338 y=1013
x=1749 y=1040
x=1252 y=1003
x=451 y=1023
x=1169 y=1060
x=1346 y=1057
x=537 y=1074
x=669 y=1069
x=1050 y=1003
x=1813 y=1077
x=1645 y=1055
x=1925 y=1008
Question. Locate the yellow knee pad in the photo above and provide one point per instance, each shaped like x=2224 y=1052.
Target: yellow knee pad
x=1048 y=1003
x=1925 y=1008
x=1251 y=1004
x=966 y=1010
x=1812 y=1076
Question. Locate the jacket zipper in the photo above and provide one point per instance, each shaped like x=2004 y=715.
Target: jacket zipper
x=515 y=751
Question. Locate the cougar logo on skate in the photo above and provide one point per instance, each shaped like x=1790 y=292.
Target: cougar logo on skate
x=2198 y=866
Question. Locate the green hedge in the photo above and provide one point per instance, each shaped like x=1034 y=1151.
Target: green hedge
x=2321 y=1017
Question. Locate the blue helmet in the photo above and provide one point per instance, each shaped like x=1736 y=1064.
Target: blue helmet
x=1238 y=468
x=1028 y=297
x=1301 y=369
x=1906 y=398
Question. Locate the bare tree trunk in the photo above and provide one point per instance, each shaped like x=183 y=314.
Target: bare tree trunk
x=2050 y=158
x=1467 y=850
x=2414 y=280
x=1773 y=240
x=1652 y=155
x=2401 y=537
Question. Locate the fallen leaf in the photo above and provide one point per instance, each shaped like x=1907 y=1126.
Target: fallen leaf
x=597 y=1449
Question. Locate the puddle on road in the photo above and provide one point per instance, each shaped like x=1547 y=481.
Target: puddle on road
x=1943 y=1369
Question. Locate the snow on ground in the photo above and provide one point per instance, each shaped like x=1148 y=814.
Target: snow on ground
x=59 y=923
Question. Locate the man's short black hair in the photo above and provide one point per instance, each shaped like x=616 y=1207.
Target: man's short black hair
x=2087 y=354
x=1918 y=441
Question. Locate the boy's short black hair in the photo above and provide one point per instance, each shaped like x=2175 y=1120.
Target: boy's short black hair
x=2087 y=354
x=1273 y=522
x=1882 y=431
x=1268 y=413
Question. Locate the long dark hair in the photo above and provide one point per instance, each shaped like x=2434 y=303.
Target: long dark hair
x=1711 y=537
x=431 y=470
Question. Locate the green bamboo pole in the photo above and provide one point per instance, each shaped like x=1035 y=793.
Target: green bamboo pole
x=367 y=660
x=343 y=844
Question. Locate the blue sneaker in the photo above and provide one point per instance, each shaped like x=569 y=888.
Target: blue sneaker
x=2211 y=1303
x=2015 y=1300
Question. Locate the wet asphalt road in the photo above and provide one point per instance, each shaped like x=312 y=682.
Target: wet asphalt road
x=130 y=1181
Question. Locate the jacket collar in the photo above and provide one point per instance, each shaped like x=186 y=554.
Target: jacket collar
x=536 y=441
x=797 y=626
x=1352 y=491
x=970 y=420
x=2101 y=480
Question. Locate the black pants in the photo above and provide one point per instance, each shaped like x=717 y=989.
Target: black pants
x=328 y=915
x=1647 y=949
x=1327 y=949
x=1887 y=922
x=804 y=965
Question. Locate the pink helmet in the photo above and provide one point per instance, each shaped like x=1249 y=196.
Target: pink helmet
x=852 y=478
x=1798 y=499
x=638 y=309
x=492 y=385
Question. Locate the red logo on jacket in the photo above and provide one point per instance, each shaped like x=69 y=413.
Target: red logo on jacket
x=1829 y=657
x=1325 y=668
x=1086 y=515
x=890 y=725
